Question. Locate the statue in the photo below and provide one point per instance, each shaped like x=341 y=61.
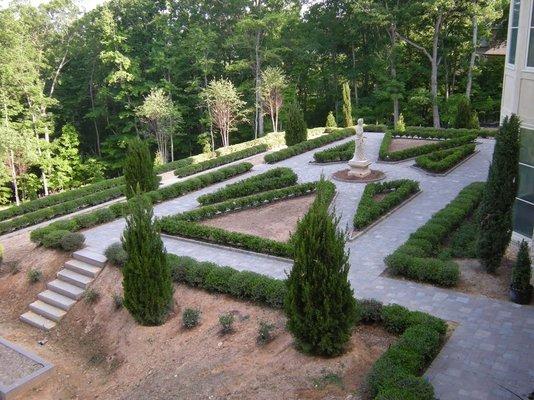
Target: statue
x=359 y=164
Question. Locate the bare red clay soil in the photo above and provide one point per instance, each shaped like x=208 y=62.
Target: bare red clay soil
x=403 y=144
x=274 y=221
x=101 y=353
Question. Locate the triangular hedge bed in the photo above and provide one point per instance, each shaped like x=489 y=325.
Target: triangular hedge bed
x=395 y=193
x=187 y=224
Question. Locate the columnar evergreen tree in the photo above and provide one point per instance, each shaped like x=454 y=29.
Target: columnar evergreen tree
x=522 y=271
x=320 y=306
x=347 y=107
x=495 y=212
x=466 y=117
x=296 y=130
x=139 y=169
x=147 y=280
x=331 y=120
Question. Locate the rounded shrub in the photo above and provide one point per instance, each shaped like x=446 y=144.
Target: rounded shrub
x=190 y=318
x=116 y=254
x=72 y=241
x=370 y=311
x=54 y=238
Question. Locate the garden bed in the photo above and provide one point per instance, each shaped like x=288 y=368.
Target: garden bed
x=398 y=144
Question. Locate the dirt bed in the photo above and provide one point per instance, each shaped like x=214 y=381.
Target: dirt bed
x=274 y=221
x=398 y=144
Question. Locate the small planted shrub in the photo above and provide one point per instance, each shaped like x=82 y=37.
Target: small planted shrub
x=227 y=323
x=520 y=288
x=116 y=254
x=190 y=318
x=296 y=130
x=72 y=241
x=34 y=275
x=330 y=122
x=54 y=238
x=91 y=296
x=118 y=301
x=466 y=117
x=370 y=311
x=401 y=126
x=1 y=253
x=265 y=332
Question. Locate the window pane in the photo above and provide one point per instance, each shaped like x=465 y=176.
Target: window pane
x=515 y=13
x=526 y=153
x=513 y=45
x=526 y=183
x=523 y=218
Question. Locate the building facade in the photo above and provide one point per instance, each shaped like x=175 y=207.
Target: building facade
x=518 y=98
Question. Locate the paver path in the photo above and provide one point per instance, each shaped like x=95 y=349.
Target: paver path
x=489 y=356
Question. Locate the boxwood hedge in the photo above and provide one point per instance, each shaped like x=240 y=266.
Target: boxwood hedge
x=369 y=210
x=416 y=258
x=444 y=133
x=443 y=160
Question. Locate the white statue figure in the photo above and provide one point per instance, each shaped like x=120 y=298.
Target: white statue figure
x=359 y=164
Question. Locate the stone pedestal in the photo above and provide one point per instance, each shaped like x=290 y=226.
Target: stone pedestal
x=359 y=168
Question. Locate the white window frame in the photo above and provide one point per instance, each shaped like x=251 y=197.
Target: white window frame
x=530 y=68
x=508 y=46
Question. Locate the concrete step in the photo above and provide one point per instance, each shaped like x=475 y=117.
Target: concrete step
x=47 y=310
x=83 y=268
x=56 y=299
x=90 y=257
x=74 y=278
x=66 y=289
x=37 y=321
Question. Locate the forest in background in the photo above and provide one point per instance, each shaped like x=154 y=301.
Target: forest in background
x=72 y=85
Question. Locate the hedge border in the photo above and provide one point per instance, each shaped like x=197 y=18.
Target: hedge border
x=428 y=132
x=275 y=178
x=303 y=147
x=398 y=370
x=442 y=161
x=416 y=258
x=107 y=214
x=369 y=210
x=186 y=225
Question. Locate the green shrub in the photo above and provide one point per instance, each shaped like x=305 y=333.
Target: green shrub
x=347 y=107
x=265 y=332
x=227 y=323
x=91 y=296
x=308 y=145
x=466 y=117
x=342 y=152
x=443 y=160
x=495 y=212
x=34 y=275
x=139 y=172
x=407 y=388
x=72 y=241
x=118 y=301
x=521 y=272
x=370 y=311
x=296 y=130
x=190 y=318
x=116 y=254
x=400 y=126
x=147 y=280
x=54 y=238
x=330 y=121
x=320 y=306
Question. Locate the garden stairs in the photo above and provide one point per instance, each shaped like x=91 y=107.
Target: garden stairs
x=63 y=292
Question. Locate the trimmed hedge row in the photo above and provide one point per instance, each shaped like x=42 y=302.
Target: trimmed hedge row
x=386 y=155
x=216 y=162
x=118 y=210
x=375 y=128
x=342 y=152
x=443 y=160
x=185 y=224
x=308 y=145
x=395 y=375
x=416 y=260
x=273 y=179
x=444 y=133
x=369 y=210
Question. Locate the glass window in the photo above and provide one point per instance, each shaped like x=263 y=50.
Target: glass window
x=530 y=57
x=514 y=26
x=524 y=204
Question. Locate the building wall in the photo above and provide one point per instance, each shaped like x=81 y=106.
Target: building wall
x=518 y=98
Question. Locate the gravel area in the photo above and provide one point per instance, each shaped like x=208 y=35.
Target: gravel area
x=14 y=366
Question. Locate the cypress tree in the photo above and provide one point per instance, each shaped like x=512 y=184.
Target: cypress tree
x=466 y=117
x=320 y=306
x=495 y=210
x=347 y=107
x=331 y=120
x=139 y=169
x=521 y=270
x=296 y=130
x=147 y=280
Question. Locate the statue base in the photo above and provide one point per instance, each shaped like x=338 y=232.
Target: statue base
x=346 y=175
x=359 y=168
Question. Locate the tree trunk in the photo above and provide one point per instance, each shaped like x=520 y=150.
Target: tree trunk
x=356 y=99
x=434 y=74
x=258 y=129
x=14 y=177
x=473 y=57
x=393 y=68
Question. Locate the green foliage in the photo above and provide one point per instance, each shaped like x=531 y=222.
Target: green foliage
x=296 y=130
x=147 y=280
x=466 y=117
x=72 y=241
x=320 y=306
x=495 y=213
x=401 y=126
x=369 y=209
x=34 y=275
x=265 y=332
x=139 y=169
x=342 y=152
x=227 y=323
x=116 y=254
x=347 y=107
x=190 y=318
x=91 y=296
x=54 y=238
x=443 y=160
x=330 y=121
x=415 y=258
x=308 y=145
x=369 y=311
x=118 y=301
x=522 y=270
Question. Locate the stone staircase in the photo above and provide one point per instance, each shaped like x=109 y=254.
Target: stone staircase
x=63 y=292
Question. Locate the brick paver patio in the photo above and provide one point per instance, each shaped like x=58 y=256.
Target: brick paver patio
x=489 y=356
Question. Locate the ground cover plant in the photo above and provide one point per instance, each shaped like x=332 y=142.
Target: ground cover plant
x=443 y=160
x=102 y=215
x=186 y=224
x=397 y=373
x=291 y=151
x=418 y=259
x=393 y=192
x=273 y=179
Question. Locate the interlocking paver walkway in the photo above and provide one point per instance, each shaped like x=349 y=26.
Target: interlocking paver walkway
x=489 y=356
